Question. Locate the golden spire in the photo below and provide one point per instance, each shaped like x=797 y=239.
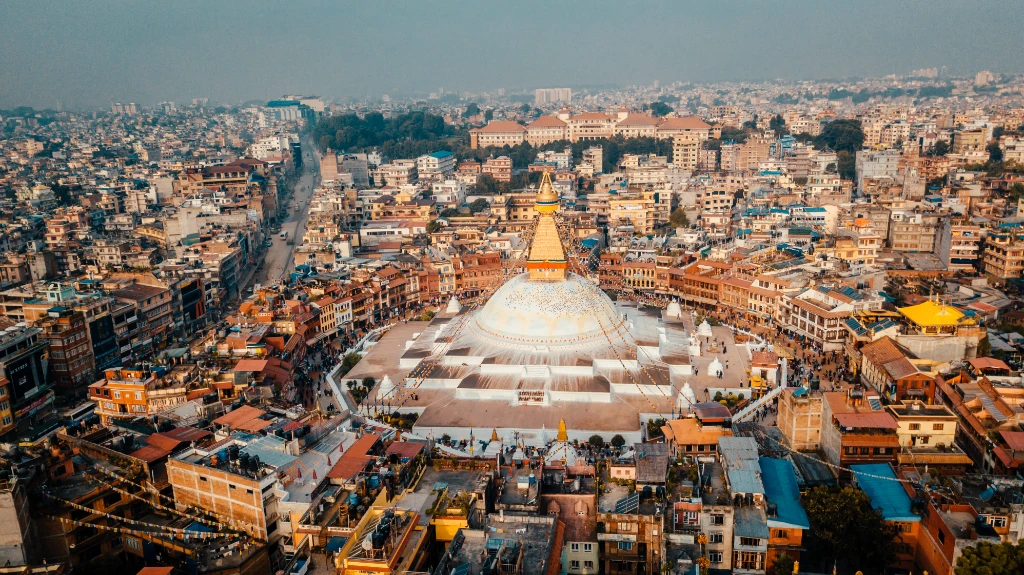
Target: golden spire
x=547 y=258
x=547 y=199
x=563 y=435
x=494 y=434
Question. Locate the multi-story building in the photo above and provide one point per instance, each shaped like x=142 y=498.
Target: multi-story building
x=131 y=393
x=25 y=396
x=959 y=247
x=800 y=418
x=437 y=166
x=686 y=151
x=497 y=134
x=1003 y=254
x=545 y=130
x=856 y=429
x=818 y=313
x=70 y=355
x=914 y=231
x=499 y=168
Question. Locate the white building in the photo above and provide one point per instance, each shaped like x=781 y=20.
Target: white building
x=436 y=166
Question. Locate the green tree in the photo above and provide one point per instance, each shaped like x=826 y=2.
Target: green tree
x=596 y=441
x=659 y=109
x=433 y=226
x=847 y=165
x=349 y=361
x=941 y=148
x=471 y=110
x=991 y=559
x=654 y=427
x=778 y=123
x=448 y=213
x=678 y=219
x=525 y=108
x=783 y=565
x=369 y=382
x=995 y=153
x=478 y=206
x=618 y=441
x=488 y=115
x=845 y=529
x=841 y=135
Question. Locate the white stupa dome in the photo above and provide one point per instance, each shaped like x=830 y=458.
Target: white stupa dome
x=385 y=388
x=674 y=310
x=686 y=398
x=453 y=306
x=704 y=329
x=571 y=312
x=715 y=366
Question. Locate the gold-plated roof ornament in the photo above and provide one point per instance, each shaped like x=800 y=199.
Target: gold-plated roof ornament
x=547 y=256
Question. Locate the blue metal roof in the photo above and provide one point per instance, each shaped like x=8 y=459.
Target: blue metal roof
x=781 y=489
x=335 y=543
x=887 y=495
x=441 y=154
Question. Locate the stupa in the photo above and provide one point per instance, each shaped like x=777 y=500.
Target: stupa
x=549 y=348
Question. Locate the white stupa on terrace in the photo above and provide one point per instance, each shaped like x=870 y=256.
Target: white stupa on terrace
x=547 y=345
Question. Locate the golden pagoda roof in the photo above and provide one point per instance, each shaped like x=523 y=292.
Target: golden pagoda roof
x=547 y=198
x=932 y=314
x=546 y=245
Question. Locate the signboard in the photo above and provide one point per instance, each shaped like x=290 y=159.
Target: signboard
x=24 y=374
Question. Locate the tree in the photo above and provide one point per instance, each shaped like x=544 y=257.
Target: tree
x=678 y=219
x=654 y=427
x=941 y=148
x=847 y=165
x=448 y=213
x=841 y=135
x=433 y=226
x=995 y=153
x=991 y=559
x=525 y=108
x=349 y=361
x=478 y=206
x=783 y=565
x=488 y=115
x=778 y=124
x=471 y=110
x=596 y=441
x=618 y=441
x=659 y=109
x=845 y=529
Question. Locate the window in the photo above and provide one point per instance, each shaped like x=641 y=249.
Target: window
x=903 y=526
x=7 y=420
x=997 y=522
x=117 y=395
x=747 y=560
x=750 y=541
x=625 y=545
x=915 y=426
x=718 y=519
x=588 y=548
x=574 y=547
x=938 y=426
x=779 y=534
x=715 y=556
x=574 y=564
x=942 y=537
x=588 y=565
x=924 y=440
x=716 y=537
x=132 y=543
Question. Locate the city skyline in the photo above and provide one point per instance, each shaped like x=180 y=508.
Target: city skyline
x=91 y=54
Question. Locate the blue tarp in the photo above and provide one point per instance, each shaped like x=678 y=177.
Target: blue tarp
x=887 y=495
x=781 y=489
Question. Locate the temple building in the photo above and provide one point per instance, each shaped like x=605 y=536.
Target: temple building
x=549 y=345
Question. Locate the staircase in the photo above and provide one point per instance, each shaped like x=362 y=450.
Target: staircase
x=753 y=407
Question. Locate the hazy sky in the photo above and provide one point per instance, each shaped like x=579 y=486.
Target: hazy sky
x=87 y=53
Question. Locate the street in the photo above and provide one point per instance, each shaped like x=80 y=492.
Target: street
x=278 y=260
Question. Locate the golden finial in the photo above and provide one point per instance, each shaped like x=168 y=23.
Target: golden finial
x=494 y=434
x=547 y=199
x=563 y=435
